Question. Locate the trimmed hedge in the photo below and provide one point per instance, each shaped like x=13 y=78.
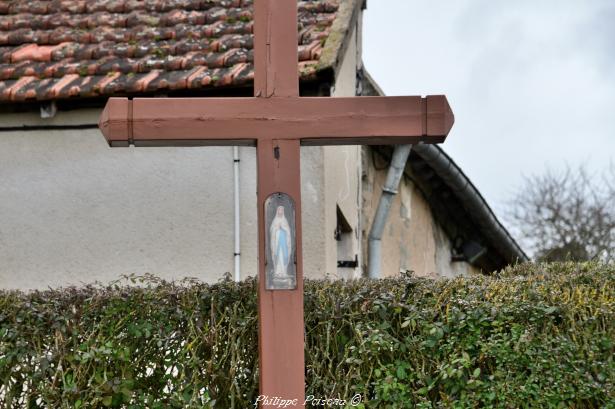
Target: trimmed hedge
x=535 y=336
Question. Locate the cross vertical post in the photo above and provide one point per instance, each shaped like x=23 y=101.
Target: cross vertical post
x=281 y=325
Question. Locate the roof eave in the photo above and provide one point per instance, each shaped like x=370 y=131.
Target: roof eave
x=337 y=42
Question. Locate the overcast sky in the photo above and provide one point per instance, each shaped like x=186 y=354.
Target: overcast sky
x=531 y=82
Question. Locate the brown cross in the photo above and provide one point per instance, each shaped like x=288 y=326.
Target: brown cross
x=277 y=121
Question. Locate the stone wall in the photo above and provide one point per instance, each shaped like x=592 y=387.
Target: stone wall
x=413 y=240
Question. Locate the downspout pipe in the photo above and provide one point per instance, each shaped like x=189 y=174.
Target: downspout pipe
x=237 y=220
x=394 y=174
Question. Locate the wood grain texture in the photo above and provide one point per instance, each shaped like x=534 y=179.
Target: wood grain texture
x=281 y=328
x=276 y=71
x=116 y=123
x=313 y=121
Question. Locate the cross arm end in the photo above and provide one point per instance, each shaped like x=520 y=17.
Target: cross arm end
x=115 y=122
x=439 y=116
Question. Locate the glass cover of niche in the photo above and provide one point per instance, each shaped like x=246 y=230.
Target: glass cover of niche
x=280 y=243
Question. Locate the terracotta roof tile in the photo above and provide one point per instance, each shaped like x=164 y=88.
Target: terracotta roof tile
x=58 y=49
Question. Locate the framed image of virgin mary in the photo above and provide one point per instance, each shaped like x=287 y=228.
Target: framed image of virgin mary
x=280 y=243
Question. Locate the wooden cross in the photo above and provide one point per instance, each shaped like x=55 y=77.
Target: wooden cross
x=277 y=121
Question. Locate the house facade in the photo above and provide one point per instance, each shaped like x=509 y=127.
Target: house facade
x=73 y=210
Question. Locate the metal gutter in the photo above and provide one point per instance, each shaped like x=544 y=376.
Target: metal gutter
x=466 y=193
x=389 y=190
x=473 y=202
x=236 y=215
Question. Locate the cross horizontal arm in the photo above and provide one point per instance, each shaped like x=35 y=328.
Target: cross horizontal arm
x=243 y=121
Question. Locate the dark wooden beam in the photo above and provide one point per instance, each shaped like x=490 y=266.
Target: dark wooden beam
x=312 y=120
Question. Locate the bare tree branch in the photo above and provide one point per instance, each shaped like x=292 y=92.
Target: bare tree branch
x=567 y=216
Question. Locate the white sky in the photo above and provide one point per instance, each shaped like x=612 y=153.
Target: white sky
x=531 y=82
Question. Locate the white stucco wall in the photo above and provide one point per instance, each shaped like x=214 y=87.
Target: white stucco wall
x=73 y=210
x=342 y=173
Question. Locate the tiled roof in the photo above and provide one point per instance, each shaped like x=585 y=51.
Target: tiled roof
x=59 y=49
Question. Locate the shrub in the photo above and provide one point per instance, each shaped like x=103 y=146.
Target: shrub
x=532 y=336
